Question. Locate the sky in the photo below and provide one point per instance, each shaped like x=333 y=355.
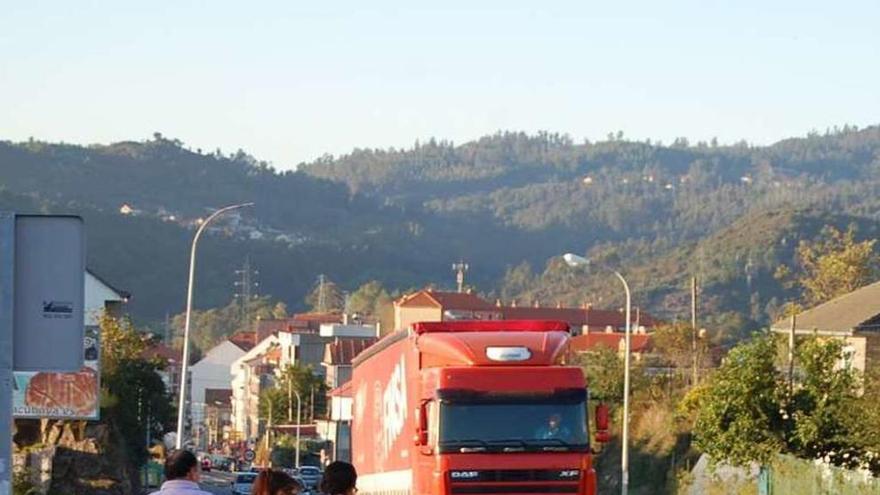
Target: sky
x=289 y=81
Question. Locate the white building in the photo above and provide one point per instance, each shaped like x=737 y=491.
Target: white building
x=101 y=297
x=211 y=372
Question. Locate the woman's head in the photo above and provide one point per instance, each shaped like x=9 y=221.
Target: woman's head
x=340 y=478
x=274 y=482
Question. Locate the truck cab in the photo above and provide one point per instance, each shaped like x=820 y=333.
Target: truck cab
x=480 y=407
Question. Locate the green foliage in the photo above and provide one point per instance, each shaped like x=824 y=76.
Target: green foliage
x=832 y=265
x=277 y=399
x=326 y=297
x=677 y=346
x=604 y=372
x=134 y=394
x=728 y=214
x=824 y=407
x=739 y=419
x=748 y=412
x=210 y=327
x=369 y=299
x=603 y=369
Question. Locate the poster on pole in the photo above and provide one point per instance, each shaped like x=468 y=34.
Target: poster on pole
x=48 y=293
x=60 y=395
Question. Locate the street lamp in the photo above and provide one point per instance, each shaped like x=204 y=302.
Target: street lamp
x=574 y=260
x=181 y=408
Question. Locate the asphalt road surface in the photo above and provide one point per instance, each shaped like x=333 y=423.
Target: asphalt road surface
x=217 y=482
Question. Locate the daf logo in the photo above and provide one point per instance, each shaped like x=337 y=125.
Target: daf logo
x=465 y=475
x=574 y=473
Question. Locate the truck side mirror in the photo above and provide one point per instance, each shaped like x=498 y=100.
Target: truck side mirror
x=602 y=423
x=421 y=436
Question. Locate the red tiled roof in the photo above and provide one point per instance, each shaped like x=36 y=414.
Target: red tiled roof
x=639 y=342
x=221 y=395
x=343 y=390
x=576 y=316
x=342 y=351
x=446 y=300
x=244 y=340
x=319 y=317
x=162 y=351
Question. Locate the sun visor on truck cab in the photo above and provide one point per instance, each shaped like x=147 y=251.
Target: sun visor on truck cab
x=490 y=326
x=558 y=396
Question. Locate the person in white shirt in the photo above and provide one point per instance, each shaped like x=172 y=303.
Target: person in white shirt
x=182 y=473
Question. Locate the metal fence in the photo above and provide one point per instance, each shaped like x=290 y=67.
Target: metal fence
x=792 y=476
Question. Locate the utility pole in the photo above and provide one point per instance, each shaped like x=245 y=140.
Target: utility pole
x=460 y=268
x=245 y=288
x=322 y=296
x=268 y=434
x=791 y=333
x=289 y=397
x=694 y=327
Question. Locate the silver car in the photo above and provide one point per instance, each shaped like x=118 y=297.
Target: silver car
x=310 y=475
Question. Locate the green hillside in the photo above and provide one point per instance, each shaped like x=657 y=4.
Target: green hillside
x=505 y=203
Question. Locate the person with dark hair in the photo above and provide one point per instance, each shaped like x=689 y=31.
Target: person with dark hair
x=275 y=482
x=181 y=475
x=340 y=478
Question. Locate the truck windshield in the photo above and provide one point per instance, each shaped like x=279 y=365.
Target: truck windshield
x=472 y=423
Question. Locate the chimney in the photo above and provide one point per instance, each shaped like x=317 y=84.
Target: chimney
x=609 y=329
x=513 y=303
x=558 y=304
x=536 y=304
x=345 y=318
x=585 y=330
x=469 y=291
x=497 y=303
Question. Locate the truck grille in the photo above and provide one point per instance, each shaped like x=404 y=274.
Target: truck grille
x=518 y=489
x=519 y=481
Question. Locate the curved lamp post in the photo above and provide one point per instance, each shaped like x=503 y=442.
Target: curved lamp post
x=574 y=260
x=181 y=408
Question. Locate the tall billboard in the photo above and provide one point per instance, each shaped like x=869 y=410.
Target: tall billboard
x=49 y=293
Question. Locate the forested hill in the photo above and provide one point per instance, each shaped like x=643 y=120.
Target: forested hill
x=615 y=188
x=506 y=203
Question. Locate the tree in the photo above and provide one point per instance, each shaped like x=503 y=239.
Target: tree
x=303 y=380
x=368 y=299
x=738 y=417
x=823 y=404
x=214 y=325
x=279 y=312
x=831 y=266
x=674 y=344
x=747 y=412
x=604 y=371
x=326 y=297
x=134 y=397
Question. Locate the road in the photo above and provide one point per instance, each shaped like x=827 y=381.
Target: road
x=217 y=482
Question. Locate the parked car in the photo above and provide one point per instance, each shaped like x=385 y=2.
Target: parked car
x=243 y=483
x=310 y=475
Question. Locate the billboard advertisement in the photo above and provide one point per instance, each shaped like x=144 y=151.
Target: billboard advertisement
x=62 y=395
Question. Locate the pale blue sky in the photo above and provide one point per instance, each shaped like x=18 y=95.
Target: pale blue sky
x=289 y=81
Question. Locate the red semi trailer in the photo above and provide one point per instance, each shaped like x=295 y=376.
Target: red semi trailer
x=472 y=407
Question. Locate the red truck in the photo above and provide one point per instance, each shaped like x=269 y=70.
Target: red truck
x=472 y=407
